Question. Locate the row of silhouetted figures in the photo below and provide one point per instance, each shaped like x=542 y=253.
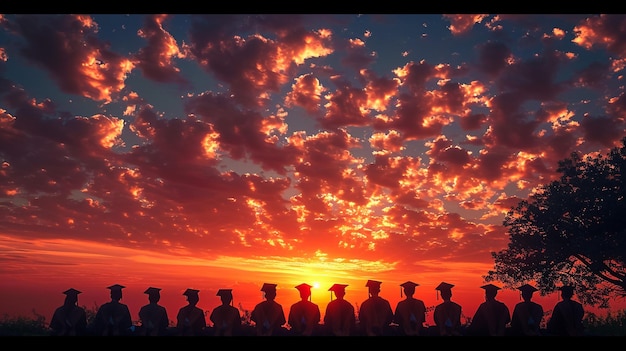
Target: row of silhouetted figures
x=375 y=315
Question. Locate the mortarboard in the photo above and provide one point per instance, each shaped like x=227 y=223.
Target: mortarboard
x=224 y=292
x=338 y=287
x=191 y=292
x=72 y=292
x=567 y=289
x=443 y=286
x=116 y=287
x=268 y=287
x=527 y=288
x=373 y=284
x=490 y=287
x=304 y=287
x=152 y=291
x=335 y=288
x=407 y=285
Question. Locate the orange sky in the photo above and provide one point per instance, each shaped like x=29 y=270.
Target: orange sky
x=226 y=151
x=57 y=265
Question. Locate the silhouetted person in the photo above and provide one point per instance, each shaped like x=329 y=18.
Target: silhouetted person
x=375 y=314
x=226 y=318
x=567 y=315
x=492 y=316
x=410 y=313
x=268 y=315
x=153 y=317
x=69 y=319
x=340 y=318
x=304 y=315
x=527 y=315
x=190 y=320
x=113 y=318
x=447 y=315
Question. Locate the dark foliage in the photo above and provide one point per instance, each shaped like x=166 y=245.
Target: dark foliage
x=571 y=232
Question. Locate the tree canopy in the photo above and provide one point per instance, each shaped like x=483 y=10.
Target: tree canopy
x=571 y=231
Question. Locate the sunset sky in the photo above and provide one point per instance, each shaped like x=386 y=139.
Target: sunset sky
x=226 y=151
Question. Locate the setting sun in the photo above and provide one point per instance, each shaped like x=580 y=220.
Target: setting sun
x=183 y=151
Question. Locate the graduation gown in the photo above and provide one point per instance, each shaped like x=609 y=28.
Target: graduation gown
x=375 y=316
x=304 y=317
x=69 y=320
x=410 y=316
x=154 y=320
x=566 y=319
x=340 y=319
x=490 y=319
x=113 y=319
x=447 y=318
x=190 y=321
x=226 y=320
x=526 y=319
x=269 y=317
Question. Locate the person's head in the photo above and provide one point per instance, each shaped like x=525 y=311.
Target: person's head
x=445 y=289
x=116 y=292
x=527 y=291
x=567 y=292
x=71 y=296
x=269 y=291
x=305 y=291
x=339 y=290
x=226 y=296
x=373 y=287
x=154 y=294
x=192 y=296
x=408 y=288
x=490 y=291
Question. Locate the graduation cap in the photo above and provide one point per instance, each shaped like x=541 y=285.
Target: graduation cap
x=224 y=292
x=152 y=291
x=267 y=287
x=72 y=292
x=116 y=287
x=304 y=287
x=336 y=288
x=191 y=292
x=568 y=289
x=407 y=285
x=527 y=289
x=373 y=284
x=443 y=286
x=490 y=287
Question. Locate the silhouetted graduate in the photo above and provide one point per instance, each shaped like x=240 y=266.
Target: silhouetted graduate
x=113 y=318
x=375 y=314
x=190 y=320
x=567 y=315
x=69 y=319
x=304 y=315
x=447 y=315
x=340 y=317
x=268 y=315
x=153 y=317
x=491 y=317
x=527 y=315
x=226 y=318
x=410 y=313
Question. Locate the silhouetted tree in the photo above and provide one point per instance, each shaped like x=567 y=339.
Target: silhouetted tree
x=572 y=230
